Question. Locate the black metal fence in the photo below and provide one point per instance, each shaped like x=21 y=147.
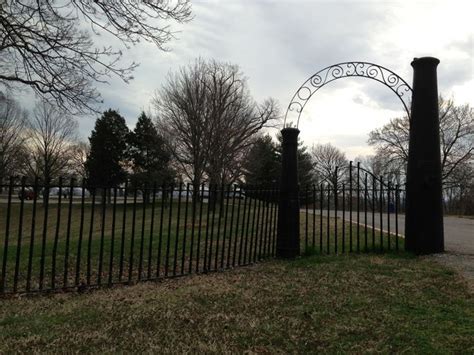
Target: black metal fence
x=355 y=211
x=70 y=237
x=74 y=237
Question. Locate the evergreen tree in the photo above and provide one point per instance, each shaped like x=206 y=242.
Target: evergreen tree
x=108 y=150
x=305 y=165
x=149 y=157
x=262 y=165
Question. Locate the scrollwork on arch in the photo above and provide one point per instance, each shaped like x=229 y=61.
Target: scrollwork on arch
x=345 y=70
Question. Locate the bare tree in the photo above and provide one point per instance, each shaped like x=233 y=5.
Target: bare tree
x=234 y=120
x=78 y=158
x=456 y=133
x=330 y=164
x=13 y=121
x=208 y=117
x=182 y=117
x=46 y=45
x=51 y=134
x=382 y=166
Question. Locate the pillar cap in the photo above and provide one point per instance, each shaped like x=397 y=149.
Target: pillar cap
x=290 y=130
x=425 y=61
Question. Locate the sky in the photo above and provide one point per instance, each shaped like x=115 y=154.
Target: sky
x=280 y=44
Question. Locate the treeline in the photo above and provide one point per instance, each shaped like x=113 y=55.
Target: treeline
x=204 y=124
x=207 y=128
x=328 y=165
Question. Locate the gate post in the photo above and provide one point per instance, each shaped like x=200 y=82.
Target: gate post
x=424 y=210
x=288 y=233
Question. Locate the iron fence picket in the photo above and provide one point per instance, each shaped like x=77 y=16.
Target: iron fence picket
x=176 y=241
x=335 y=214
x=374 y=187
x=200 y=229
x=56 y=236
x=224 y=233
x=381 y=213
x=211 y=239
x=343 y=218
x=44 y=234
x=124 y=226
x=112 y=236
x=350 y=206
x=358 y=207
x=68 y=235
x=102 y=236
x=388 y=216
x=328 y=220
x=236 y=231
x=253 y=239
x=193 y=227
x=160 y=235
x=321 y=200
x=257 y=229
x=264 y=223
x=306 y=219
x=3 y=283
x=81 y=232
x=32 y=236
x=183 y=255
x=314 y=216
x=132 y=237
x=242 y=231
x=142 y=234
x=396 y=215
x=365 y=213
x=89 y=240
x=20 y=236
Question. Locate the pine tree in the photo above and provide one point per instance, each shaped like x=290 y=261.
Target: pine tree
x=108 y=150
x=262 y=165
x=305 y=165
x=149 y=157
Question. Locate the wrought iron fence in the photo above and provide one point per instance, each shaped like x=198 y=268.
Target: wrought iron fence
x=74 y=237
x=356 y=212
x=66 y=236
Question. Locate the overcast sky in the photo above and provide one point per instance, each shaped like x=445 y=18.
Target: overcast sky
x=280 y=44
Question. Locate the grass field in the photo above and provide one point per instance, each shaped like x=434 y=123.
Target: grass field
x=392 y=303
x=133 y=242
x=102 y=244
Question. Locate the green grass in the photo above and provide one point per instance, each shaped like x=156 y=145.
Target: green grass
x=166 y=244
x=129 y=238
x=315 y=238
x=358 y=303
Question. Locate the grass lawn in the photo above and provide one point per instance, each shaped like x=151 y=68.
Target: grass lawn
x=352 y=303
x=133 y=241
x=145 y=242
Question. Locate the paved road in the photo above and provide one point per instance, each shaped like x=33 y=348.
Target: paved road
x=458 y=232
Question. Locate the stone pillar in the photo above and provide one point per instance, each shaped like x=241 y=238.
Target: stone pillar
x=424 y=209
x=288 y=234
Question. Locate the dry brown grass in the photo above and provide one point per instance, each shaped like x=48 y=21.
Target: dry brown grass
x=359 y=303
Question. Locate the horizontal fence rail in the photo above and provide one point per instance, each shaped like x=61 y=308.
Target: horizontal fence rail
x=359 y=212
x=74 y=237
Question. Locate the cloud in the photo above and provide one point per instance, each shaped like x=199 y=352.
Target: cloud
x=280 y=44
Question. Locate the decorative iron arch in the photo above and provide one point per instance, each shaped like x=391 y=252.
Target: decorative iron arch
x=344 y=70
